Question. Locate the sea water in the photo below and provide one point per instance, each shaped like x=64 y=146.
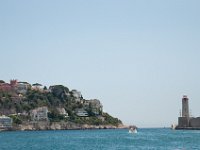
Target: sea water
x=118 y=139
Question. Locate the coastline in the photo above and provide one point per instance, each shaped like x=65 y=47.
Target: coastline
x=40 y=126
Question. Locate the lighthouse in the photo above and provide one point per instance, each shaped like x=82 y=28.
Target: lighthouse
x=185 y=121
x=185 y=107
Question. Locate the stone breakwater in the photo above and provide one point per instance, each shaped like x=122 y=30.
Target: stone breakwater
x=62 y=126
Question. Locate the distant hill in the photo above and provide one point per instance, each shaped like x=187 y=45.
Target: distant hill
x=28 y=104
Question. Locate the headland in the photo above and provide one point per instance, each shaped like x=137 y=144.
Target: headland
x=26 y=106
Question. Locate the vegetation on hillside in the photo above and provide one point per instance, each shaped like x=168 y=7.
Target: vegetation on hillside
x=18 y=106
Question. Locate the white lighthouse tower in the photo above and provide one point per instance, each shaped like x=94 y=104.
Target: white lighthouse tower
x=185 y=107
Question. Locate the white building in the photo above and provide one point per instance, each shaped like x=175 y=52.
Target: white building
x=39 y=114
x=81 y=113
x=5 y=122
x=37 y=87
x=22 y=87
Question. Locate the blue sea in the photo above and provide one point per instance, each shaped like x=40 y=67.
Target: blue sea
x=118 y=139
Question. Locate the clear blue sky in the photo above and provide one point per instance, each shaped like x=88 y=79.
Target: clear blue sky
x=137 y=56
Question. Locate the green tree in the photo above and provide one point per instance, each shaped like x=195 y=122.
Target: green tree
x=45 y=88
x=16 y=119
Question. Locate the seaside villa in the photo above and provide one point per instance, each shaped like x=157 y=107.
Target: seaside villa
x=39 y=114
x=5 y=122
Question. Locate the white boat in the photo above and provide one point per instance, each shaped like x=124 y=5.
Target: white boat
x=173 y=126
x=132 y=129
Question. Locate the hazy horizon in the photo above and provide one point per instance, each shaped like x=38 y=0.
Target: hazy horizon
x=137 y=57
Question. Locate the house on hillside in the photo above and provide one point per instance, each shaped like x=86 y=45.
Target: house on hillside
x=81 y=112
x=37 y=87
x=8 y=87
x=39 y=114
x=5 y=122
x=22 y=87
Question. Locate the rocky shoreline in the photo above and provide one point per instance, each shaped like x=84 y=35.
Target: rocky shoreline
x=31 y=126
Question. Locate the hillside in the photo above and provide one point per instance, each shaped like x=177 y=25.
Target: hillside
x=34 y=104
